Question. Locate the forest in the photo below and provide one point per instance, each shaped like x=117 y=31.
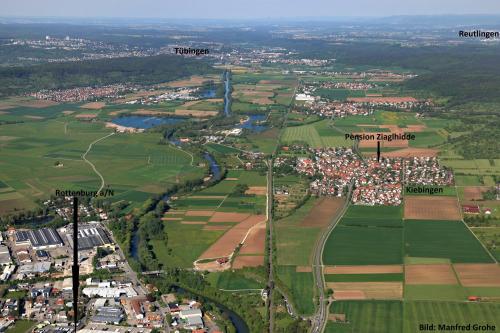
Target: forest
x=146 y=70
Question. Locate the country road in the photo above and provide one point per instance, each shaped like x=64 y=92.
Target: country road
x=84 y=157
x=320 y=318
x=270 y=282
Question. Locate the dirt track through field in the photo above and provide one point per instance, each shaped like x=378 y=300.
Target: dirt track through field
x=255 y=242
x=226 y=244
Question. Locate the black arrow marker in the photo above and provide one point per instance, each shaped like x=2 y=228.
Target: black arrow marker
x=378 y=151
x=76 y=268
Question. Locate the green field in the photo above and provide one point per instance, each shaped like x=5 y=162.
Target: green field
x=435 y=292
x=449 y=313
x=300 y=285
x=446 y=190
x=295 y=243
x=317 y=135
x=21 y=326
x=367 y=317
x=177 y=253
x=443 y=239
x=364 y=277
x=364 y=246
x=406 y=317
x=134 y=165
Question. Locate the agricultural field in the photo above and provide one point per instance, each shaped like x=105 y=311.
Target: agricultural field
x=450 y=313
x=478 y=172
x=366 y=316
x=38 y=158
x=443 y=239
x=318 y=135
x=352 y=243
x=407 y=316
x=300 y=288
x=260 y=92
x=219 y=218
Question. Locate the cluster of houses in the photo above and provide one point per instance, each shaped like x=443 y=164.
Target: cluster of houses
x=426 y=171
x=186 y=94
x=353 y=85
x=337 y=109
x=82 y=94
x=374 y=182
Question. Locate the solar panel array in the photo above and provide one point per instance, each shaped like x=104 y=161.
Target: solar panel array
x=39 y=237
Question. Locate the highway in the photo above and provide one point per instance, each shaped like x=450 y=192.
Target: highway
x=318 y=321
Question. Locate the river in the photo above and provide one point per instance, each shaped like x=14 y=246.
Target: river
x=227 y=93
x=236 y=320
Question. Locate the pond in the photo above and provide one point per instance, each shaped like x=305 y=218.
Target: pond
x=253 y=123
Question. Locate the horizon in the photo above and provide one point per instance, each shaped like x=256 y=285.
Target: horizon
x=232 y=10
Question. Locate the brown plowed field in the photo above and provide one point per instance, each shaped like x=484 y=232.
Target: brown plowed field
x=257 y=190
x=431 y=208
x=226 y=244
x=195 y=113
x=248 y=261
x=200 y=213
x=382 y=99
x=86 y=116
x=387 y=144
x=371 y=290
x=478 y=275
x=255 y=242
x=322 y=213
x=365 y=269
x=430 y=274
x=303 y=269
x=93 y=105
x=408 y=152
x=349 y=295
x=228 y=217
x=474 y=192
x=37 y=103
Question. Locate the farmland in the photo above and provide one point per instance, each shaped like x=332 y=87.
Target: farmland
x=443 y=239
x=397 y=316
x=218 y=217
x=43 y=156
x=367 y=316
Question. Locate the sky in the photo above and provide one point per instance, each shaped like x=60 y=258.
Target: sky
x=242 y=9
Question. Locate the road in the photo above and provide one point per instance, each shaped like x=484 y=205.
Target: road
x=270 y=281
x=84 y=157
x=129 y=272
x=320 y=318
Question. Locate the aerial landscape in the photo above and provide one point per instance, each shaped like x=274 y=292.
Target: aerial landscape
x=241 y=168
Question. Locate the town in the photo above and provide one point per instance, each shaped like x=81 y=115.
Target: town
x=374 y=182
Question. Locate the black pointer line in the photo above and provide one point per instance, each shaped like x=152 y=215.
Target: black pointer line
x=76 y=268
x=378 y=151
